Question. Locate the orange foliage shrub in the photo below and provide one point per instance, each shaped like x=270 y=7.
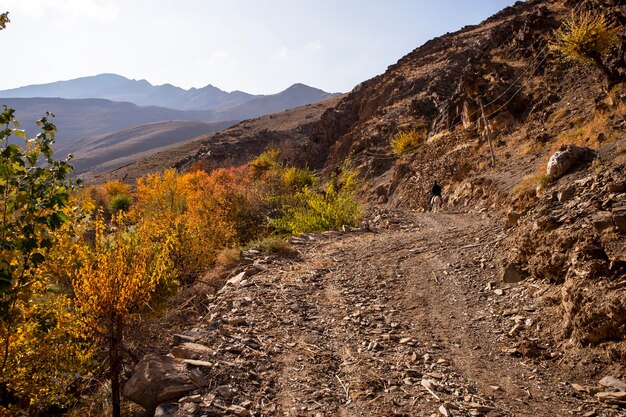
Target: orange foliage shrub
x=200 y=213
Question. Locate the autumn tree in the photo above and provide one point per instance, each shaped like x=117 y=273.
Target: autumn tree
x=588 y=38
x=34 y=193
x=115 y=283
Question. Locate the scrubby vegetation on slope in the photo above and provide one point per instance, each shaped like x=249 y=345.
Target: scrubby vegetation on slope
x=79 y=265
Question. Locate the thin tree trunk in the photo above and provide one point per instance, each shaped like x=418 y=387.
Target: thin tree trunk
x=114 y=362
x=488 y=133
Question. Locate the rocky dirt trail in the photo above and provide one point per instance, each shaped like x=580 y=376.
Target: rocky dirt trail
x=408 y=318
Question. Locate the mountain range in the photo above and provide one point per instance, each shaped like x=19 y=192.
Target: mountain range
x=127 y=117
x=140 y=92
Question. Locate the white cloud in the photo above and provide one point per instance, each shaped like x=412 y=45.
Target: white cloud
x=282 y=52
x=216 y=58
x=316 y=46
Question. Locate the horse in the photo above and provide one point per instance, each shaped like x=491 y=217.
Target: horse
x=435 y=203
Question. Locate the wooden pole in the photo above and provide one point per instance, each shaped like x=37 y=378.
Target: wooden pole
x=488 y=133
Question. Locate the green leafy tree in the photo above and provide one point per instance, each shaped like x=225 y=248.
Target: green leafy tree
x=34 y=194
x=589 y=39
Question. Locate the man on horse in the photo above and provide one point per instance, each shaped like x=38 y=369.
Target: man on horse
x=435 y=197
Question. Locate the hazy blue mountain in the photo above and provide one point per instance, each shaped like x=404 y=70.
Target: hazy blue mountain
x=295 y=96
x=141 y=92
x=109 y=151
x=102 y=119
x=82 y=118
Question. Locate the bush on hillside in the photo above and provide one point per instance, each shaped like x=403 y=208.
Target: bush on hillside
x=409 y=141
x=120 y=202
x=265 y=163
x=587 y=38
x=327 y=209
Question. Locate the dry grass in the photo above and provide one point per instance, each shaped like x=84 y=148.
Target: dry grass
x=438 y=136
x=594 y=133
x=532 y=183
x=273 y=245
x=228 y=257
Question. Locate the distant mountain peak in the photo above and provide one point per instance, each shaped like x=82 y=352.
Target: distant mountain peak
x=114 y=87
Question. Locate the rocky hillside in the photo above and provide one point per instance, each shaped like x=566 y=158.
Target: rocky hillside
x=233 y=146
x=510 y=303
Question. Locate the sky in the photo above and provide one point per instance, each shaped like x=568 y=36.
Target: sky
x=257 y=46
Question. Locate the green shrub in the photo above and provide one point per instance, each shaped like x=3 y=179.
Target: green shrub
x=298 y=178
x=120 y=202
x=272 y=244
x=409 y=141
x=266 y=162
x=319 y=210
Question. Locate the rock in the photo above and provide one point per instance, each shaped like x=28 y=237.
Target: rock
x=619 y=218
x=616 y=187
x=498 y=291
x=182 y=338
x=512 y=217
x=224 y=391
x=191 y=399
x=236 y=321
x=479 y=407
x=191 y=351
x=609 y=381
x=566 y=158
x=166 y=410
x=238 y=410
x=237 y=278
x=566 y=194
x=158 y=379
x=513 y=273
x=198 y=363
x=602 y=220
x=444 y=411
x=618 y=397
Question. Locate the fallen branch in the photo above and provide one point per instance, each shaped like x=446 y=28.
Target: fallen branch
x=344 y=388
x=429 y=387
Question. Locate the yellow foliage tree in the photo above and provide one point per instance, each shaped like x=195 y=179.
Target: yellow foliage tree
x=587 y=38
x=115 y=283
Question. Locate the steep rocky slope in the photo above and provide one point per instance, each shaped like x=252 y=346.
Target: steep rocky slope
x=233 y=146
x=510 y=303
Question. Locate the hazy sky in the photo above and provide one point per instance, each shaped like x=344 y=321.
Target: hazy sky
x=258 y=46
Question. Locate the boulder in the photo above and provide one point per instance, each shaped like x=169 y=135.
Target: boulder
x=602 y=220
x=566 y=158
x=156 y=380
x=513 y=273
x=566 y=194
x=616 y=187
x=512 y=217
x=190 y=350
x=619 y=218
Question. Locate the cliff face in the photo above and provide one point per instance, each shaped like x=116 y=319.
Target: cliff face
x=502 y=63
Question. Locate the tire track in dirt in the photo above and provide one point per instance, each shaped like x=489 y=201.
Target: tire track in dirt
x=398 y=321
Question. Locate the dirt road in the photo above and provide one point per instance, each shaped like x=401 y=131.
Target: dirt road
x=408 y=319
